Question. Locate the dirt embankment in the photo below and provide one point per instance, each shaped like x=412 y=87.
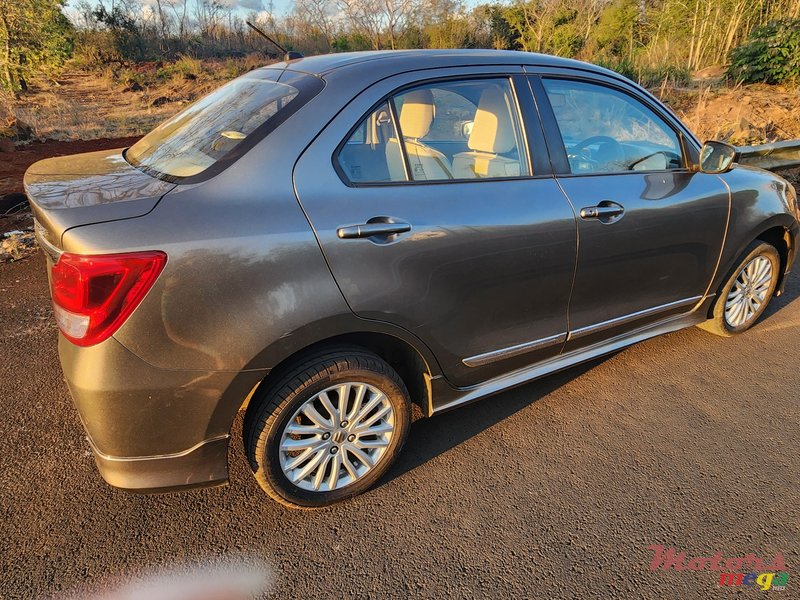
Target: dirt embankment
x=743 y=115
x=85 y=106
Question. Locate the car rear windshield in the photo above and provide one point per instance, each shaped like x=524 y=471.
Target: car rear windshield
x=221 y=126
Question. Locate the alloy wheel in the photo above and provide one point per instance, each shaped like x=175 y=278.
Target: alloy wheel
x=749 y=292
x=336 y=437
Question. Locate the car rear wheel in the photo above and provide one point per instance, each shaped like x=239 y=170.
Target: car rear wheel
x=747 y=292
x=328 y=429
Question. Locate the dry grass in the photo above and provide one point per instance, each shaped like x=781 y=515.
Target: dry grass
x=17 y=246
x=116 y=101
x=84 y=107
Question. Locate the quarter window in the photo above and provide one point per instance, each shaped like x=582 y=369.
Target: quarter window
x=447 y=131
x=608 y=131
x=368 y=156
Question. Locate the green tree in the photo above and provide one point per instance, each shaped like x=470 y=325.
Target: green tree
x=615 y=34
x=447 y=25
x=35 y=36
x=498 y=31
x=770 y=55
x=566 y=39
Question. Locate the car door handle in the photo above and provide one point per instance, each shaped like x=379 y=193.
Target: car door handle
x=370 y=229
x=605 y=211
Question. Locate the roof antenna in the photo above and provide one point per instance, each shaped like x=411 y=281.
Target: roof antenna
x=287 y=54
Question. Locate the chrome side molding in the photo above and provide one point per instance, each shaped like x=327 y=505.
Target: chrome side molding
x=486 y=358
x=489 y=357
x=648 y=312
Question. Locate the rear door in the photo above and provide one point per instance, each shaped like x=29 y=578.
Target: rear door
x=650 y=230
x=436 y=210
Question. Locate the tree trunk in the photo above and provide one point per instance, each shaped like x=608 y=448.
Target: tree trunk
x=6 y=48
x=694 y=34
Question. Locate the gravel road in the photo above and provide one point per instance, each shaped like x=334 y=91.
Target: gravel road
x=553 y=490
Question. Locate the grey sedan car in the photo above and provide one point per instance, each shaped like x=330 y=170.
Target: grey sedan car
x=326 y=242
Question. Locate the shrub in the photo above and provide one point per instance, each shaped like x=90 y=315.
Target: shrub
x=189 y=67
x=770 y=55
x=94 y=50
x=648 y=76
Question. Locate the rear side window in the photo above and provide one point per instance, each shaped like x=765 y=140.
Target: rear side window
x=450 y=130
x=217 y=128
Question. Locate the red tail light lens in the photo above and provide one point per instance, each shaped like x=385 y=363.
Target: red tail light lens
x=93 y=295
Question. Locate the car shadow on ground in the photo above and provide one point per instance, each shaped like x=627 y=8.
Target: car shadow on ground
x=436 y=435
x=791 y=292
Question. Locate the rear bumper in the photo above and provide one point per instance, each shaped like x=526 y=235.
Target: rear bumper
x=153 y=429
x=202 y=466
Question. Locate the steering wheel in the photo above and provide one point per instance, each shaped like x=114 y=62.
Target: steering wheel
x=595 y=139
x=579 y=153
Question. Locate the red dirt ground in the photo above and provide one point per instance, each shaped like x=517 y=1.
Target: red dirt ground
x=14 y=164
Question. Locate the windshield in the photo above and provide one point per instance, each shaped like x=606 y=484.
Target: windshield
x=210 y=129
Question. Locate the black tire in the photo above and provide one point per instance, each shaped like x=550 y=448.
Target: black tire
x=718 y=324
x=270 y=412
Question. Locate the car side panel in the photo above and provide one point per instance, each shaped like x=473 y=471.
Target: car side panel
x=236 y=278
x=757 y=204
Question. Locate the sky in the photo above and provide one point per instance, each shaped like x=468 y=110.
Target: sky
x=243 y=7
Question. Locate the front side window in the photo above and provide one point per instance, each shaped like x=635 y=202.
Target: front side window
x=210 y=129
x=608 y=131
x=451 y=130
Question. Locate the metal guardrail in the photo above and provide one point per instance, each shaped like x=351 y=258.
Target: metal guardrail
x=778 y=155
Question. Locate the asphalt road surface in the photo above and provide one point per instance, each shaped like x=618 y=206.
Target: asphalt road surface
x=553 y=490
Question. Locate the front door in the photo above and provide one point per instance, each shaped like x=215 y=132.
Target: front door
x=434 y=216
x=650 y=231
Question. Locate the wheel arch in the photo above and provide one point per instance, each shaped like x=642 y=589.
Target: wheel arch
x=780 y=233
x=414 y=367
x=784 y=242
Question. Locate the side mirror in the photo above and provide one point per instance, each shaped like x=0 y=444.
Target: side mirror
x=717 y=157
x=466 y=129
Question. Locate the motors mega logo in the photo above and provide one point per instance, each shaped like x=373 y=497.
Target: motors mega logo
x=747 y=570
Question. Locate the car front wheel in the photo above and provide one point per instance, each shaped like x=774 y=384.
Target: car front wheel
x=747 y=292
x=328 y=429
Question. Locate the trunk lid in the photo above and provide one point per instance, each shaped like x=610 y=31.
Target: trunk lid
x=70 y=191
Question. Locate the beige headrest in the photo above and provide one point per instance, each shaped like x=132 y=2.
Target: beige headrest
x=416 y=114
x=493 y=130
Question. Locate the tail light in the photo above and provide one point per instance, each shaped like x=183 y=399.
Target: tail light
x=93 y=295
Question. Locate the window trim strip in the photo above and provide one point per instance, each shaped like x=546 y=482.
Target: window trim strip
x=399 y=133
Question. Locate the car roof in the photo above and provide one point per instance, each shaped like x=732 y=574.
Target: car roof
x=405 y=60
